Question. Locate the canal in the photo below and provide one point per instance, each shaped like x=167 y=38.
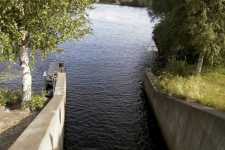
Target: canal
x=106 y=108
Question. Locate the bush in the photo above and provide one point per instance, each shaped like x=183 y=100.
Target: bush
x=14 y=98
x=179 y=67
x=9 y=98
x=36 y=103
x=174 y=67
x=2 y=100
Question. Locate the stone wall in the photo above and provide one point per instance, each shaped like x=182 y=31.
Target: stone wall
x=186 y=126
x=46 y=131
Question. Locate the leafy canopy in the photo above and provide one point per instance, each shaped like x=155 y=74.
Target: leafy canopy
x=47 y=22
x=197 y=26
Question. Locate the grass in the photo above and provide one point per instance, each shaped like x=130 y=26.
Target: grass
x=207 y=89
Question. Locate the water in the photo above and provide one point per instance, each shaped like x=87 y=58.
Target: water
x=106 y=108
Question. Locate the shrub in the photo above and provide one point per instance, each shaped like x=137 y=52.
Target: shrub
x=36 y=103
x=174 y=67
x=179 y=67
x=9 y=98
x=2 y=100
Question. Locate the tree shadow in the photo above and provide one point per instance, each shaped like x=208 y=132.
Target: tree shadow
x=8 y=137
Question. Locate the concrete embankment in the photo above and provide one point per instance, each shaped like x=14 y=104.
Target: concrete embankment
x=186 y=126
x=46 y=131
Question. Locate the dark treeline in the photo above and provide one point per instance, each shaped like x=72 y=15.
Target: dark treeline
x=190 y=30
x=137 y=3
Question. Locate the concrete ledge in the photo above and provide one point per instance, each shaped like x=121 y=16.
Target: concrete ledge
x=46 y=131
x=186 y=126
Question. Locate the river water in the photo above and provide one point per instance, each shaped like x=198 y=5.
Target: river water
x=106 y=108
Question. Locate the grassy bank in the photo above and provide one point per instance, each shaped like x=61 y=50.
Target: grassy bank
x=207 y=89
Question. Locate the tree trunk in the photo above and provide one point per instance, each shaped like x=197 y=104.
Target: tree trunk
x=200 y=63
x=26 y=76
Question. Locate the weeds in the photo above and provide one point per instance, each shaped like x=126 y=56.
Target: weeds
x=207 y=89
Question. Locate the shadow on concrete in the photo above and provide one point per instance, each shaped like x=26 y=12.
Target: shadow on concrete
x=157 y=140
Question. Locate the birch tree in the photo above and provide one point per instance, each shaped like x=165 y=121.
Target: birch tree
x=30 y=25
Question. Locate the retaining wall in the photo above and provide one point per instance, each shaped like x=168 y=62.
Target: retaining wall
x=46 y=130
x=184 y=125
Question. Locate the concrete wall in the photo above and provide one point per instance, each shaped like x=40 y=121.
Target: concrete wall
x=46 y=131
x=186 y=126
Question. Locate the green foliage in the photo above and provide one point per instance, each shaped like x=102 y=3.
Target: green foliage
x=178 y=67
x=163 y=38
x=207 y=89
x=174 y=67
x=47 y=23
x=9 y=98
x=36 y=103
x=187 y=30
x=190 y=25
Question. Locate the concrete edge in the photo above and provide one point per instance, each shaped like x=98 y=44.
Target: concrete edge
x=152 y=79
x=185 y=125
x=46 y=131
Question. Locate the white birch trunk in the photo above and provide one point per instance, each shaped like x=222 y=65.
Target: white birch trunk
x=26 y=73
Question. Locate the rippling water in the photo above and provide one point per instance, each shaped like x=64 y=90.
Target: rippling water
x=106 y=108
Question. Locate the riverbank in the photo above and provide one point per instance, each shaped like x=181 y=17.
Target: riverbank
x=185 y=125
x=15 y=117
x=206 y=88
x=190 y=62
x=47 y=129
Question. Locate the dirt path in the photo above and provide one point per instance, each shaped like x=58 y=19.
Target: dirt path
x=12 y=124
